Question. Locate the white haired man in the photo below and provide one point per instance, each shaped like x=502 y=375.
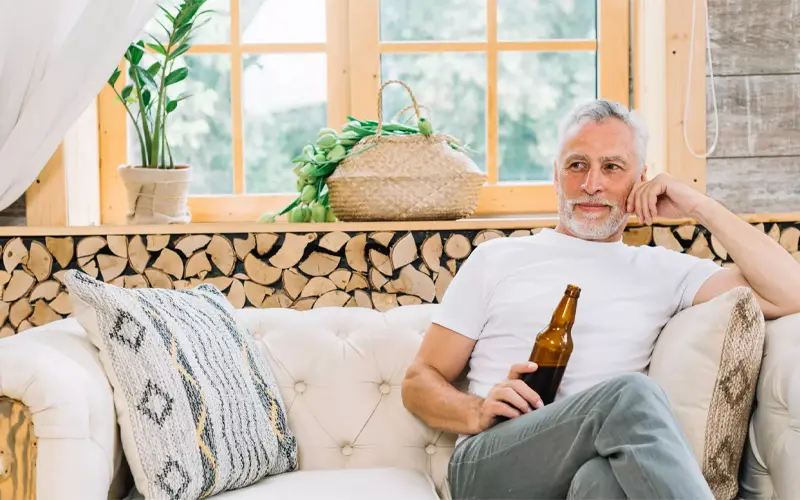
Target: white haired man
x=610 y=433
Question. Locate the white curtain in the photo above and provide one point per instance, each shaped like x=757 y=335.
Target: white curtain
x=55 y=56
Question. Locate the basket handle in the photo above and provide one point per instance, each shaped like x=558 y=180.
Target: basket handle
x=380 y=103
x=410 y=106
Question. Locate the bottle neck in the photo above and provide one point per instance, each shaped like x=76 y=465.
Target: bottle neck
x=564 y=314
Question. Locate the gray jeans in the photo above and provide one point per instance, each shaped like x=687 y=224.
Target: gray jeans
x=616 y=440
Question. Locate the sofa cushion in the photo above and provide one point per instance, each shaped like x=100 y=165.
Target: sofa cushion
x=343 y=484
x=198 y=408
x=707 y=360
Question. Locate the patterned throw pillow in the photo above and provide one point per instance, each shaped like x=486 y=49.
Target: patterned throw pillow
x=707 y=360
x=197 y=405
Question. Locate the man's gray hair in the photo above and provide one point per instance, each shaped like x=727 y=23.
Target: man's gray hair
x=600 y=110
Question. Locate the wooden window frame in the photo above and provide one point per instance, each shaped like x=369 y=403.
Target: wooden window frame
x=353 y=50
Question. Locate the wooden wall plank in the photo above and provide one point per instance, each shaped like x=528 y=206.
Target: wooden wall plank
x=758 y=115
x=755 y=37
x=755 y=185
x=14 y=214
x=18 y=460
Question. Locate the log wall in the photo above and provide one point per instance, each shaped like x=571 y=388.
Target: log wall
x=300 y=270
x=756 y=56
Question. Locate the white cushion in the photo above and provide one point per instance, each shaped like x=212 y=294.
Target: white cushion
x=340 y=370
x=346 y=484
x=707 y=360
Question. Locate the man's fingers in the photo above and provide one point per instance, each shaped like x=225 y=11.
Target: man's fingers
x=639 y=205
x=652 y=199
x=518 y=369
x=631 y=201
x=498 y=408
x=526 y=392
x=510 y=396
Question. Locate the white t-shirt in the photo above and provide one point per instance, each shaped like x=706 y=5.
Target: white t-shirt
x=505 y=293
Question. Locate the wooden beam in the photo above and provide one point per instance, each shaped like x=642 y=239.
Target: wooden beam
x=614 y=45
x=338 y=61
x=113 y=153
x=365 y=59
x=492 y=84
x=46 y=198
x=681 y=163
x=649 y=78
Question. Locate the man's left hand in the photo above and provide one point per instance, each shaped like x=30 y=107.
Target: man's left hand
x=663 y=196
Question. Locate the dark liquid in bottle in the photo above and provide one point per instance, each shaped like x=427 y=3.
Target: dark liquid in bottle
x=545 y=381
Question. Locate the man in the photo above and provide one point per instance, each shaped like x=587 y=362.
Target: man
x=610 y=433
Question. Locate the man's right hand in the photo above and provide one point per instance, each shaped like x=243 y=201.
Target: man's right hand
x=510 y=398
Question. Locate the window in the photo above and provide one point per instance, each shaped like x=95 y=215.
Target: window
x=267 y=74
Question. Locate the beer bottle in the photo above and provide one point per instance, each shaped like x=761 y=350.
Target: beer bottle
x=553 y=347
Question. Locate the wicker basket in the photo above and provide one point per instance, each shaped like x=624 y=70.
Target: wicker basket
x=410 y=177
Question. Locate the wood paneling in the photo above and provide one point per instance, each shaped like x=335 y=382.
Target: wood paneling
x=758 y=116
x=14 y=214
x=755 y=37
x=17 y=452
x=753 y=185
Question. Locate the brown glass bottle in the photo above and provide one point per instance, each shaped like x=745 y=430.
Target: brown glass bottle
x=553 y=347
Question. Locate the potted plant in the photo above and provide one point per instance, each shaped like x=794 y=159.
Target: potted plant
x=157 y=188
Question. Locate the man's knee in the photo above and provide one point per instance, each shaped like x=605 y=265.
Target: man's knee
x=640 y=384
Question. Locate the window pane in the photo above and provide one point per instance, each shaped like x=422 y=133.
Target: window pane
x=520 y=20
x=199 y=130
x=216 y=30
x=452 y=86
x=282 y=21
x=421 y=20
x=285 y=105
x=535 y=91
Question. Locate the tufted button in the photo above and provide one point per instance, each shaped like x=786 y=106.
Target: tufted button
x=430 y=449
x=300 y=387
x=385 y=388
x=347 y=450
x=342 y=335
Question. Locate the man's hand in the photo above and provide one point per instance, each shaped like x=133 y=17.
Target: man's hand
x=510 y=398
x=663 y=196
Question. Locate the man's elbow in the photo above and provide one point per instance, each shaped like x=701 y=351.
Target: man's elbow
x=408 y=387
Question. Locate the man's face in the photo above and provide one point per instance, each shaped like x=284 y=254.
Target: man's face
x=594 y=174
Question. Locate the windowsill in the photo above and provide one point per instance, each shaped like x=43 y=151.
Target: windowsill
x=477 y=223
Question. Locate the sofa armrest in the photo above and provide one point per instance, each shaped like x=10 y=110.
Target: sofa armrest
x=773 y=450
x=55 y=372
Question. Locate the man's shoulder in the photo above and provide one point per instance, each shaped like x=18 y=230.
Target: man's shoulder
x=504 y=245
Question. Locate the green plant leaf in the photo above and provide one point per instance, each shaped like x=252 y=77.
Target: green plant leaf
x=158 y=47
x=145 y=76
x=154 y=69
x=171 y=105
x=181 y=32
x=114 y=77
x=167 y=13
x=136 y=52
x=176 y=76
x=179 y=51
x=166 y=30
x=146 y=97
x=126 y=92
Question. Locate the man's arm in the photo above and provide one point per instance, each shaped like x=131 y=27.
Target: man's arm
x=763 y=265
x=428 y=390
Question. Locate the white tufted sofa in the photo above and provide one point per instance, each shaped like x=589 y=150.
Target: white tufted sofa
x=340 y=371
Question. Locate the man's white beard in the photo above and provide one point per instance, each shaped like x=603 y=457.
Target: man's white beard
x=587 y=228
